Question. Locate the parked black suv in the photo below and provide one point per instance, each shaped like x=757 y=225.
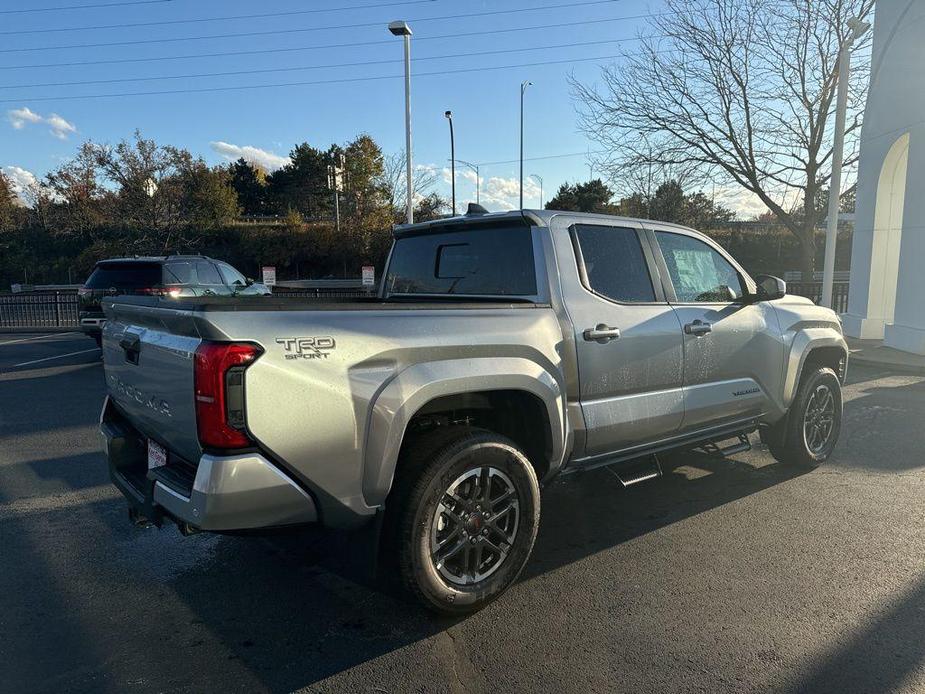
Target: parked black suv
x=168 y=276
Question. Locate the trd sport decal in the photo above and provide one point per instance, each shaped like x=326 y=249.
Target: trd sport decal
x=306 y=347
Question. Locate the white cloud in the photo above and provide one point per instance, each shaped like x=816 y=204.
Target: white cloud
x=504 y=193
x=268 y=161
x=19 y=117
x=469 y=175
x=59 y=127
x=744 y=203
x=20 y=179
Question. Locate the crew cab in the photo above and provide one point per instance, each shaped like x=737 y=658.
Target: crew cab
x=502 y=350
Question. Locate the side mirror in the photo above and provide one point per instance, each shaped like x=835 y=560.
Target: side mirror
x=770 y=287
x=250 y=281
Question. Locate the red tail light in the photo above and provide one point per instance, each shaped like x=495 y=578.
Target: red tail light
x=172 y=292
x=219 y=384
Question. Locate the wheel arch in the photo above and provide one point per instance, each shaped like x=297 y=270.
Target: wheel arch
x=814 y=347
x=434 y=387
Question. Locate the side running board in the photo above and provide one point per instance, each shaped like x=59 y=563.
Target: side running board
x=647 y=468
x=741 y=445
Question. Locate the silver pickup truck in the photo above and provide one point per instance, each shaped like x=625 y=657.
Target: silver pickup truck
x=502 y=350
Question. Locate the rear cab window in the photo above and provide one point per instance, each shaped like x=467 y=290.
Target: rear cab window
x=127 y=275
x=477 y=260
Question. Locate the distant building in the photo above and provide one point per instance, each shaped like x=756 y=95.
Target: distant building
x=887 y=296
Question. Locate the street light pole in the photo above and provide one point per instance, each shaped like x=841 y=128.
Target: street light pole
x=474 y=167
x=449 y=117
x=831 y=233
x=523 y=88
x=399 y=28
x=540 y=179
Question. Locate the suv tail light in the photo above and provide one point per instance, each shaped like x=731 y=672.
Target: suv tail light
x=219 y=384
x=172 y=292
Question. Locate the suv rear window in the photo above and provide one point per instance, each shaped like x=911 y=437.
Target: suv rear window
x=471 y=261
x=125 y=276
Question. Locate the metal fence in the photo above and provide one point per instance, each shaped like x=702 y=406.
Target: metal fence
x=45 y=310
x=813 y=291
x=59 y=309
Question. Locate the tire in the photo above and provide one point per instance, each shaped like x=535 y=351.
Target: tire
x=797 y=441
x=457 y=555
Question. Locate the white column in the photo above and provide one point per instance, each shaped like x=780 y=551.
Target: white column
x=907 y=330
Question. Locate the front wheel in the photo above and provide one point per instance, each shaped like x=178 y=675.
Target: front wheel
x=811 y=429
x=465 y=512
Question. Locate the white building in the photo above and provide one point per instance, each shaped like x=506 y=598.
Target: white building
x=887 y=295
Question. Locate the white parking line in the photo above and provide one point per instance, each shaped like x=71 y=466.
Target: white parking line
x=38 y=337
x=60 y=356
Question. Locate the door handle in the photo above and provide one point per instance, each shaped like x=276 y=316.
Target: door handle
x=698 y=328
x=601 y=334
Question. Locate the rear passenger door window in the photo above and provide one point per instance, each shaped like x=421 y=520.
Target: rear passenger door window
x=209 y=279
x=613 y=263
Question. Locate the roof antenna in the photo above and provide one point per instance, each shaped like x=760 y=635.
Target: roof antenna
x=475 y=208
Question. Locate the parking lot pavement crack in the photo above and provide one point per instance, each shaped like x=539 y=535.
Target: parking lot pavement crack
x=466 y=677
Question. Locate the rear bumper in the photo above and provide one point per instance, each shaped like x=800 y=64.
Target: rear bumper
x=244 y=491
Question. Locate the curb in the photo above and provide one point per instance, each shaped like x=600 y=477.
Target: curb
x=915 y=370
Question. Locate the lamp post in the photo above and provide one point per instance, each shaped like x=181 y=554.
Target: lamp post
x=523 y=88
x=857 y=28
x=474 y=167
x=449 y=117
x=540 y=179
x=400 y=28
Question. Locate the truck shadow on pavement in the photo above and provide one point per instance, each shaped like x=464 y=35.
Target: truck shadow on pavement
x=295 y=615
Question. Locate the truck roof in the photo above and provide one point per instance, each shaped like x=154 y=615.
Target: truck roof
x=537 y=217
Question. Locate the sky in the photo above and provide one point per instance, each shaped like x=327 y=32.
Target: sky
x=468 y=56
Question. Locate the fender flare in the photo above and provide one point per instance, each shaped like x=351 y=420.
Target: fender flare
x=804 y=342
x=400 y=398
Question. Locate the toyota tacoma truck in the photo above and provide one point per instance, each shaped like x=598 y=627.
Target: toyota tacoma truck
x=502 y=350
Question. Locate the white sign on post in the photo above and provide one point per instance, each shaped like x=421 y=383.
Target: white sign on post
x=269 y=275
x=369 y=276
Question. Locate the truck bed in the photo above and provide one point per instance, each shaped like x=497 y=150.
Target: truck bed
x=301 y=303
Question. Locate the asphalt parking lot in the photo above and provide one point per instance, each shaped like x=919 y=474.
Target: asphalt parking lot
x=723 y=576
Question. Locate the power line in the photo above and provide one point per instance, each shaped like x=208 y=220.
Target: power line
x=417 y=39
x=308 y=29
x=173 y=22
x=85 y=7
x=547 y=156
x=347 y=80
x=316 y=67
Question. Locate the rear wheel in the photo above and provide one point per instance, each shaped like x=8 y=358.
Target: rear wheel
x=464 y=516
x=808 y=435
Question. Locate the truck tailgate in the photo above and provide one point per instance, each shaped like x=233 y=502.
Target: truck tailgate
x=149 y=373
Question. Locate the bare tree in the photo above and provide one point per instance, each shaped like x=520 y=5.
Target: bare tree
x=739 y=91
x=424 y=178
